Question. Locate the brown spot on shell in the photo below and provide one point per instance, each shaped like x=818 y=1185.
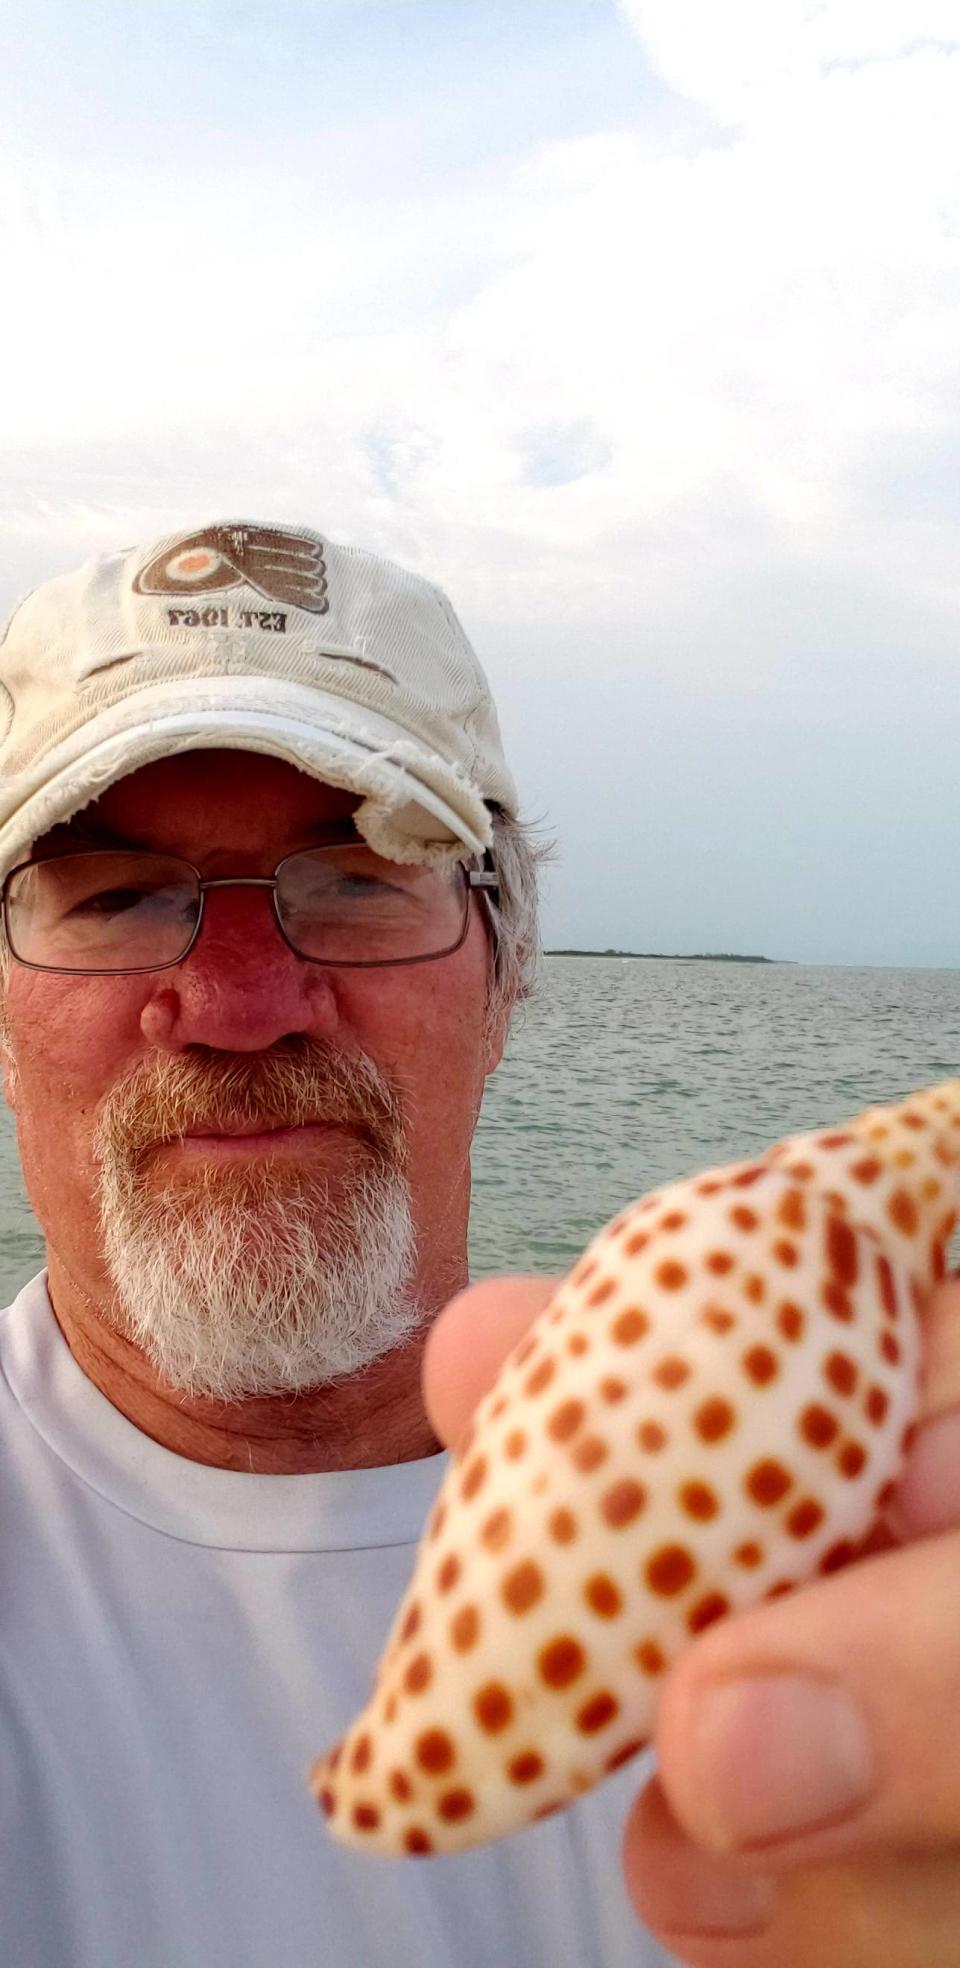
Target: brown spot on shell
x=602 y=1292
x=597 y=1712
x=888 y=1290
x=565 y=1420
x=841 y=1251
x=622 y=1502
x=630 y=1326
x=767 y=1482
x=718 y=1320
x=903 y=1214
x=851 y=1459
x=411 y=1623
x=540 y=1376
x=515 y=1444
x=669 y=1570
x=578 y=1343
x=749 y=1554
x=786 y=1253
x=720 y=1262
x=448 y=1573
x=613 y=1389
x=400 y=1786
x=744 y=1218
x=417 y=1843
x=624 y=1755
x=714 y=1419
x=366 y=1817
x=866 y=1170
x=651 y=1436
x=464 y=1629
x=419 y=1674
x=760 y=1365
x=474 y=1478
x=493 y=1707
x=523 y=1586
x=790 y=1319
x=841 y=1372
x=603 y=1596
x=562 y=1661
x=838 y=1555
x=671 y=1276
x=455 y=1805
x=818 y=1426
x=563 y=1526
x=792 y=1210
x=708 y=1609
x=837 y=1301
x=699 y=1501
x=876 y=1405
x=805 y=1517
x=672 y=1372
x=650 y=1657
x=435 y=1752
x=526 y=1767
x=589 y=1453
x=495 y=1533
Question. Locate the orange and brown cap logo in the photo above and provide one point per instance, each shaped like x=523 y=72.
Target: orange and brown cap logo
x=285 y=567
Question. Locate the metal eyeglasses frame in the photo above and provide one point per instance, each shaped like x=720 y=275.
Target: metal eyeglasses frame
x=483 y=880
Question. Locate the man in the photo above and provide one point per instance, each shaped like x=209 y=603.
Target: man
x=253 y=800
x=267 y=907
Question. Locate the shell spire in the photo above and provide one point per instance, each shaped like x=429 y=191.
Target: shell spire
x=712 y=1409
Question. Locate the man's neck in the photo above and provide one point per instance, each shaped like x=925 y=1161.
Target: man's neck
x=368 y=1420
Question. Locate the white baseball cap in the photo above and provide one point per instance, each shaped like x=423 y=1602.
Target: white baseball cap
x=254 y=637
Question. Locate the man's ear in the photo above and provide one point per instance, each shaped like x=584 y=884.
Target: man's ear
x=495 y=1030
x=8 y=1064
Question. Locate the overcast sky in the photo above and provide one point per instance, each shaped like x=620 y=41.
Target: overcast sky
x=637 y=326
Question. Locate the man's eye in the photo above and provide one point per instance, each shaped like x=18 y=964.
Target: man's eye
x=109 y=902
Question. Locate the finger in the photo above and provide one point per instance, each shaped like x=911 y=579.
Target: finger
x=927 y=1499
x=468 y=1343
x=827 y=1723
x=902 y=1911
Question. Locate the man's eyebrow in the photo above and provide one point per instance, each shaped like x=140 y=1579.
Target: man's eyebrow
x=96 y=833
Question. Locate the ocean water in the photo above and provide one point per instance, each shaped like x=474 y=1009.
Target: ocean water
x=627 y=1072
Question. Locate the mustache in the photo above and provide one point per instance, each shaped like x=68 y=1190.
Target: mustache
x=298 y=1082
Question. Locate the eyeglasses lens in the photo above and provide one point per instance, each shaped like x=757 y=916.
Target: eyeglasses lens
x=102 y=911
x=107 y=911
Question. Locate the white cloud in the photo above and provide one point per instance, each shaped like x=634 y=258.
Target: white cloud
x=661 y=411
x=743 y=59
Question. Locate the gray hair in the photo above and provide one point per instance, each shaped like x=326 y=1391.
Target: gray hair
x=517 y=855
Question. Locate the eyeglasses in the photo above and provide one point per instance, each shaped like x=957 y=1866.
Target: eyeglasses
x=103 y=911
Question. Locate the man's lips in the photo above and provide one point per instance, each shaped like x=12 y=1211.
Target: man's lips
x=252 y=1139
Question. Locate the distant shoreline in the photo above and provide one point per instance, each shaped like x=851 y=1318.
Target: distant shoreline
x=667 y=956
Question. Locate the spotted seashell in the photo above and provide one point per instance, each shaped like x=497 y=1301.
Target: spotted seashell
x=713 y=1408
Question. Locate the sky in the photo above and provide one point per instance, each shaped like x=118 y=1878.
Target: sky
x=636 y=326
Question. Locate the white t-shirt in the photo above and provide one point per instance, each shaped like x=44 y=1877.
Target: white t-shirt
x=177 y=1643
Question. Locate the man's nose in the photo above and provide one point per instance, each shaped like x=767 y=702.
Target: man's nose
x=241 y=988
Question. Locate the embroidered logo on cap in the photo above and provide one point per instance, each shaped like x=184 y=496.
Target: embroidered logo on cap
x=283 y=566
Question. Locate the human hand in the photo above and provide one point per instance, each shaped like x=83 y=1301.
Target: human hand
x=779 y=1834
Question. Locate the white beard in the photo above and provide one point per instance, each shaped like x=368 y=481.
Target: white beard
x=265 y=1280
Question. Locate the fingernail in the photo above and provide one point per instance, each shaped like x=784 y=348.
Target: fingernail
x=777 y=1755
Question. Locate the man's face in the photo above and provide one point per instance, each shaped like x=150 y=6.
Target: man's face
x=249 y=1261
